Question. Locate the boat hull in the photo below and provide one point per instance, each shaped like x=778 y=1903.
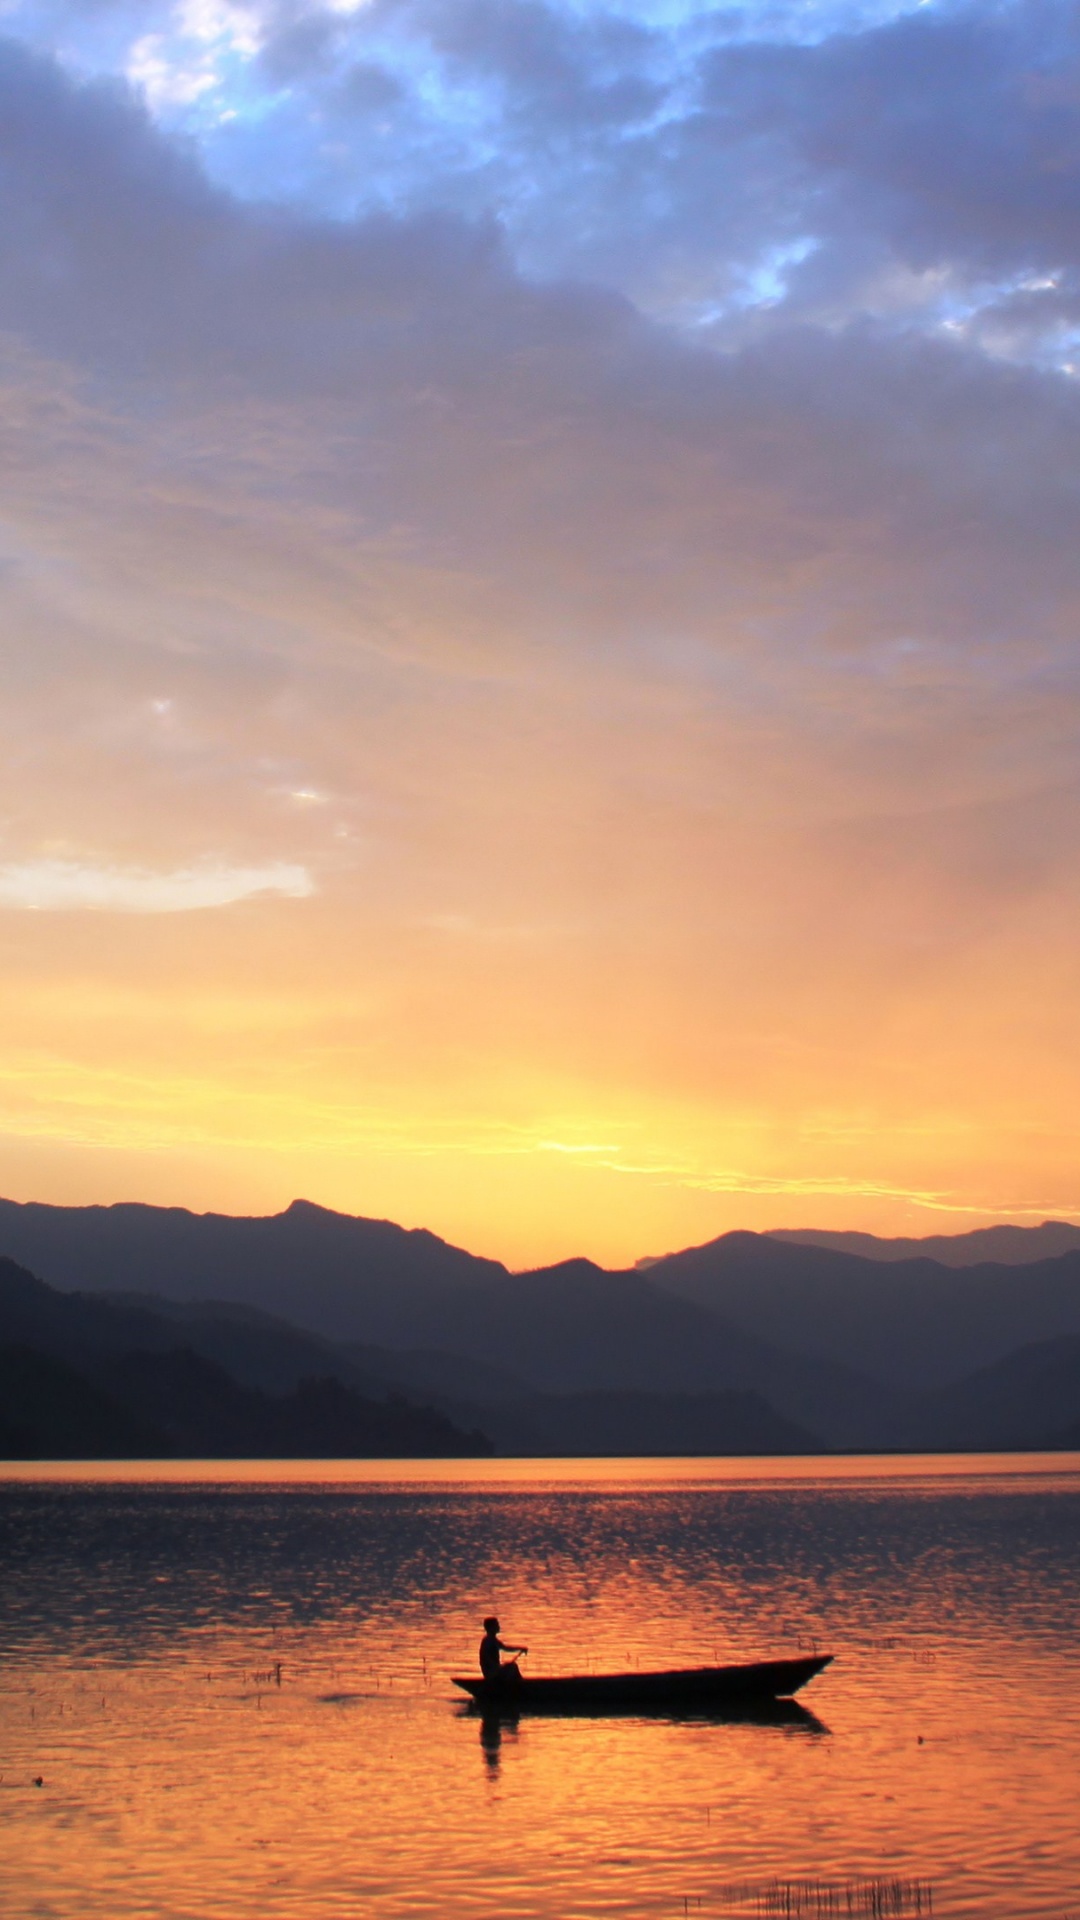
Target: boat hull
x=685 y=1690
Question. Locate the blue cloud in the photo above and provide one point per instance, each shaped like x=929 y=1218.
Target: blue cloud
x=544 y=432
x=917 y=165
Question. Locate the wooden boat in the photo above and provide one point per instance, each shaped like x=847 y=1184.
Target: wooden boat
x=687 y=1689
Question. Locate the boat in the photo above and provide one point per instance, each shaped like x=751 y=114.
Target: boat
x=683 y=1690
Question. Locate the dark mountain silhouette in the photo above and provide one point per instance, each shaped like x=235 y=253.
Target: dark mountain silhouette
x=849 y=1350
x=258 y=1349
x=613 y=1423
x=576 y=1328
x=572 y=1327
x=345 y=1278
x=1029 y=1399
x=913 y=1324
x=202 y=1411
x=1010 y=1246
x=50 y=1411
x=83 y=1377
x=97 y=1376
x=431 y=1373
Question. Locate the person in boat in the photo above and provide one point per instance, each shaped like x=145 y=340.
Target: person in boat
x=495 y=1669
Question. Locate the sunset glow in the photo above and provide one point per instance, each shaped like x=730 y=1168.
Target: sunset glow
x=540 y=577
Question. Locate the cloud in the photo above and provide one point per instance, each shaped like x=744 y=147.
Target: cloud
x=292 y=449
x=67 y=886
x=914 y=163
x=383 y=372
x=612 y=564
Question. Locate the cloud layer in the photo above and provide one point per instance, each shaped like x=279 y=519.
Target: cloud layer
x=65 y=886
x=592 y=495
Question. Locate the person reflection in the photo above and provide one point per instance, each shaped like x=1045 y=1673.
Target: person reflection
x=497 y=1671
x=491 y=1740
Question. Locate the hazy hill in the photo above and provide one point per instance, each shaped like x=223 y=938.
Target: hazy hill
x=97 y=1376
x=914 y=1323
x=569 y=1359
x=202 y=1411
x=431 y=1373
x=346 y=1278
x=837 y=1345
x=731 y=1422
x=1011 y=1246
x=50 y=1411
x=256 y=1348
x=563 y=1329
x=576 y=1328
x=83 y=1377
x=1029 y=1399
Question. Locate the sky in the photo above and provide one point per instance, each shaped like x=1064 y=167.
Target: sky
x=540 y=594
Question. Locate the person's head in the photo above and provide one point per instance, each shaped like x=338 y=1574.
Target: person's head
x=491 y=1625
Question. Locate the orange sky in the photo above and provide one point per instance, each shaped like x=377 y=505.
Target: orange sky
x=488 y=748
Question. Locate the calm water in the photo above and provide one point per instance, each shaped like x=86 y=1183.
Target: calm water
x=233 y=1684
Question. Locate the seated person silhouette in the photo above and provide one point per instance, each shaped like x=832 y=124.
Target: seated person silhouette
x=496 y=1671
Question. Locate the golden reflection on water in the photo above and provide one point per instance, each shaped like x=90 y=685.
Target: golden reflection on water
x=825 y=1469
x=235 y=1690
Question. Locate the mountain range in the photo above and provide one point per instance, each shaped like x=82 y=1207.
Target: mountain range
x=1012 y=1246
x=780 y=1342
x=113 y=1377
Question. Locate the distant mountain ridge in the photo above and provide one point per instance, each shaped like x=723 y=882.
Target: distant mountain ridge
x=912 y=1324
x=765 y=1333
x=572 y=1328
x=1008 y=1245
x=306 y=1257
x=84 y=1375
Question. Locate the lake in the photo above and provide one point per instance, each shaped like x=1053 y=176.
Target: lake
x=233 y=1683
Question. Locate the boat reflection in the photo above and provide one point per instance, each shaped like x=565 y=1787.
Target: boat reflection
x=761 y=1713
